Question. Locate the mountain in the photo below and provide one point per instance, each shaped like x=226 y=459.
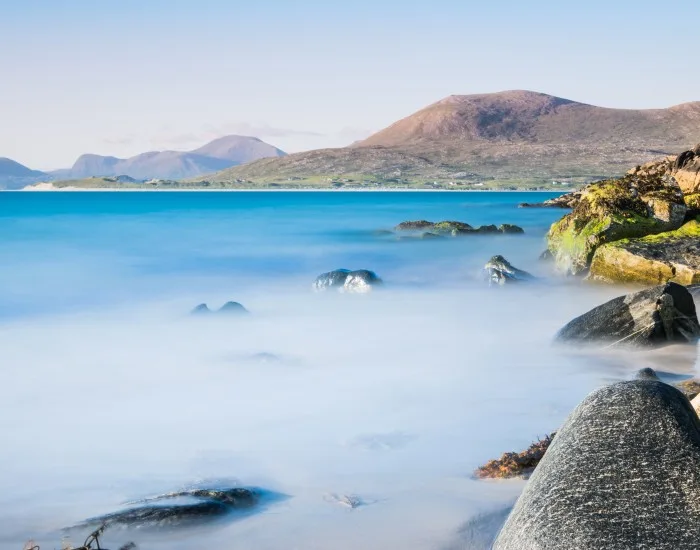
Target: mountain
x=14 y=175
x=214 y=156
x=513 y=135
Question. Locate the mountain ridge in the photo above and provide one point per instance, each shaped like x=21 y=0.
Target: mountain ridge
x=517 y=134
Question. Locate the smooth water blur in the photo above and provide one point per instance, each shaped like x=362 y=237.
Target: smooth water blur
x=111 y=392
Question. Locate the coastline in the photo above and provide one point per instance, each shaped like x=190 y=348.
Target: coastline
x=267 y=190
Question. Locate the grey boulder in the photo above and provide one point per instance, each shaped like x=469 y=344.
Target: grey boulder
x=344 y=280
x=499 y=271
x=623 y=472
x=654 y=317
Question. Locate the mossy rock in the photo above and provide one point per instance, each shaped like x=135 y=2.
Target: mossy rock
x=453 y=227
x=692 y=202
x=612 y=210
x=655 y=259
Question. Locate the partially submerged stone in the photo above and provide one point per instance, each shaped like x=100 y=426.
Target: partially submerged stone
x=653 y=317
x=655 y=259
x=157 y=512
x=499 y=271
x=456 y=228
x=634 y=206
x=567 y=200
x=516 y=464
x=623 y=472
x=344 y=280
x=229 y=308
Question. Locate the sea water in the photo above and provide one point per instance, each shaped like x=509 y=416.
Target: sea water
x=111 y=392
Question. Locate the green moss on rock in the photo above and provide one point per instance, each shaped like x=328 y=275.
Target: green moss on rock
x=611 y=210
x=654 y=259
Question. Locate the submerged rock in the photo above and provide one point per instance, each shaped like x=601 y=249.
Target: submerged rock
x=208 y=505
x=653 y=317
x=623 y=472
x=631 y=207
x=344 y=280
x=510 y=228
x=414 y=225
x=516 y=464
x=499 y=271
x=229 y=308
x=671 y=256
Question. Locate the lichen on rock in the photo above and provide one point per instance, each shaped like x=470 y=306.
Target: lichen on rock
x=654 y=259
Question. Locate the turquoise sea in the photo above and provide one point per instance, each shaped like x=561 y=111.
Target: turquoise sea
x=111 y=392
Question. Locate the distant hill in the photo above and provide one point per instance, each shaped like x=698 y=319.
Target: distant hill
x=172 y=165
x=14 y=175
x=510 y=135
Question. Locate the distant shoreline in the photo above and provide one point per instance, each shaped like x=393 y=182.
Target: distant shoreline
x=204 y=190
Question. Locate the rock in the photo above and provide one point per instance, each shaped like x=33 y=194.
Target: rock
x=510 y=228
x=454 y=228
x=414 y=225
x=233 y=308
x=209 y=505
x=650 y=318
x=696 y=404
x=683 y=168
x=655 y=259
x=201 y=309
x=623 y=472
x=499 y=271
x=345 y=280
x=567 y=200
x=229 y=308
x=692 y=203
x=647 y=373
x=546 y=256
x=516 y=464
x=332 y=279
x=607 y=211
x=429 y=235
x=689 y=388
x=361 y=281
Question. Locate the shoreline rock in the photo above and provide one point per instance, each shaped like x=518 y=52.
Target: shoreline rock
x=567 y=200
x=622 y=472
x=512 y=465
x=654 y=317
x=654 y=259
x=229 y=308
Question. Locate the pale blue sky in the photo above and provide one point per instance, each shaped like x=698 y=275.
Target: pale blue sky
x=124 y=76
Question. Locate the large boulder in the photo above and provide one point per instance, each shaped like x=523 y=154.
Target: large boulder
x=655 y=259
x=684 y=168
x=653 y=317
x=634 y=206
x=622 y=472
x=344 y=280
x=499 y=271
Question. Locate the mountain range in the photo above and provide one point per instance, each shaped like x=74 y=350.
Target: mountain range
x=512 y=135
x=216 y=155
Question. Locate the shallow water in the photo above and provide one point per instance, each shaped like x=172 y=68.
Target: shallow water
x=111 y=392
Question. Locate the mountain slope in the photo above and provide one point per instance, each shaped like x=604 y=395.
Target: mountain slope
x=506 y=135
x=217 y=155
x=15 y=175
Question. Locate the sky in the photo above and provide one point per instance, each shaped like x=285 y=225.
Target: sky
x=121 y=77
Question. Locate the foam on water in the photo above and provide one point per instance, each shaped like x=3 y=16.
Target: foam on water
x=111 y=393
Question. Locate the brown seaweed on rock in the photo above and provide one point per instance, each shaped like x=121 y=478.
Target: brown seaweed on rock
x=516 y=464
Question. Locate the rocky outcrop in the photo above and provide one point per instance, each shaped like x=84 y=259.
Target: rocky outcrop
x=456 y=228
x=684 y=168
x=567 y=200
x=229 y=308
x=345 y=280
x=653 y=317
x=655 y=259
x=623 y=472
x=634 y=206
x=499 y=271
